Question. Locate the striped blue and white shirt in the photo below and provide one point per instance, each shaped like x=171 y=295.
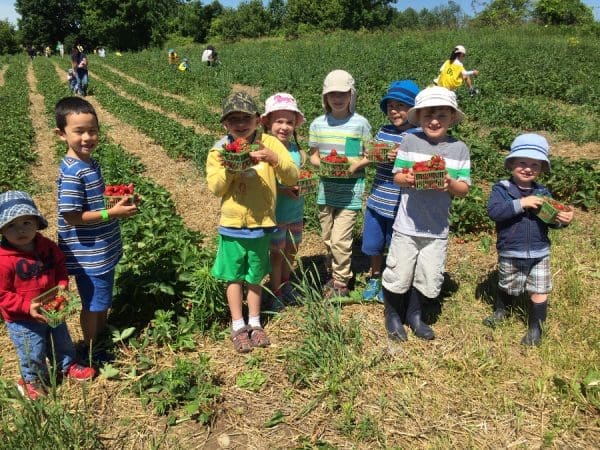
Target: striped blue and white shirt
x=94 y=248
x=385 y=194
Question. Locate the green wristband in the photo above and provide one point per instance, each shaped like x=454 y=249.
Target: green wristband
x=104 y=215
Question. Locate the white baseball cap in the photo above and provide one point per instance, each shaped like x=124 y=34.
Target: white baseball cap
x=282 y=101
x=460 y=49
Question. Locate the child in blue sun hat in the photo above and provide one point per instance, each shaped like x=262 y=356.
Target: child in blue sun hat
x=382 y=203
x=522 y=237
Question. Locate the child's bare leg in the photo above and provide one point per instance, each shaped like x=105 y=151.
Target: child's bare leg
x=92 y=324
x=234 y=300
x=288 y=262
x=277 y=268
x=376 y=263
x=254 y=297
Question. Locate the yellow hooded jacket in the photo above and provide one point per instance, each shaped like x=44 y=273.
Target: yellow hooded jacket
x=248 y=198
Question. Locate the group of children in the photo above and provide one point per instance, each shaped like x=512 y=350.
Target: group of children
x=261 y=215
x=261 y=221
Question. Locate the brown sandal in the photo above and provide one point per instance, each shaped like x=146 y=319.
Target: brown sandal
x=258 y=337
x=241 y=340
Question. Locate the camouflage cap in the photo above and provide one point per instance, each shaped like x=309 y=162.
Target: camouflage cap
x=239 y=102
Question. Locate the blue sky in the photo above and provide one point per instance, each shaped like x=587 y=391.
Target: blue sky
x=7 y=10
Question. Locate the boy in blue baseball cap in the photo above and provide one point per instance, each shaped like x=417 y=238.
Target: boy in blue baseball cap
x=382 y=203
x=522 y=237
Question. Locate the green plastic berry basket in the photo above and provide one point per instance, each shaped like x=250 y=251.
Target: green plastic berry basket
x=239 y=162
x=308 y=185
x=548 y=212
x=112 y=200
x=433 y=179
x=53 y=317
x=334 y=170
x=377 y=152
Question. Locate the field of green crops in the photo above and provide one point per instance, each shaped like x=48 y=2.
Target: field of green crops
x=331 y=379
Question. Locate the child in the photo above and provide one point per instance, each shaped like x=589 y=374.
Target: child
x=280 y=119
x=522 y=243
x=88 y=234
x=417 y=255
x=453 y=73
x=382 y=203
x=184 y=66
x=72 y=81
x=30 y=265
x=339 y=199
x=247 y=215
x=173 y=57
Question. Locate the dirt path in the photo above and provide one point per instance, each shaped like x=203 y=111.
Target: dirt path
x=196 y=205
x=186 y=122
x=151 y=88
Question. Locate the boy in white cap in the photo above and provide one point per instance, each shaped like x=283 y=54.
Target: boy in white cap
x=339 y=199
x=31 y=264
x=522 y=238
x=417 y=255
x=453 y=72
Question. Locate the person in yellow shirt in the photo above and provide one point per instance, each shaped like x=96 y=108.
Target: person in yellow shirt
x=453 y=73
x=185 y=65
x=173 y=57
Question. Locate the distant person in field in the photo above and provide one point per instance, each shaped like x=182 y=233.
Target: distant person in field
x=522 y=236
x=339 y=200
x=31 y=52
x=72 y=80
x=31 y=265
x=184 y=66
x=88 y=233
x=209 y=56
x=48 y=51
x=281 y=119
x=382 y=203
x=453 y=72
x=60 y=48
x=247 y=214
x=416 y=260
x=172 y=56
x=79 y=63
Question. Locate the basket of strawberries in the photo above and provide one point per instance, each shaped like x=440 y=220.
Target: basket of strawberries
x=550 y=209
x=308 y=182
x=377 y=152
x=56 y=305
x=430 y=174
x=114 y=193
x=334 y=166
x=236 y=155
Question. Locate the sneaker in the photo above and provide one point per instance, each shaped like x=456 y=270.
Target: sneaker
x=372 y=289
x=32 y=390
x=80 y=373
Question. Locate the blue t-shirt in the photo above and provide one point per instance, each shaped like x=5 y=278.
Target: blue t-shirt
x=328 y=133
x=93 y=248
x=289 y=209
x=385 y=194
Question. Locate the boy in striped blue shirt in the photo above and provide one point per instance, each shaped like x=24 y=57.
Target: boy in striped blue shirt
x=382 y=203
x=88 y=234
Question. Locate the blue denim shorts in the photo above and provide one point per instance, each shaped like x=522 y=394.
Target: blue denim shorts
x=377 y=233
x=96 y=291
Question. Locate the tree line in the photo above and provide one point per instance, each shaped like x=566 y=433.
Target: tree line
x=138 y=24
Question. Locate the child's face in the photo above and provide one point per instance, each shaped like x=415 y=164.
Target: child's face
x=241 y=124
x=282 y=125
x=436 y=121
x=20 y=232
x=397 y=113
x=80 y=134
x=339 y=103
x=525 y=170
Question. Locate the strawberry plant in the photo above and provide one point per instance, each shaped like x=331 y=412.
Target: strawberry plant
x=469 y=214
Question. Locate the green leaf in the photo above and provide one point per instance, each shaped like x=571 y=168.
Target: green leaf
x=108 y=371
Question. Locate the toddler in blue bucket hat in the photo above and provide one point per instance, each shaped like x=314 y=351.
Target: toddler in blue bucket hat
x=382 y=203
x=522 y=236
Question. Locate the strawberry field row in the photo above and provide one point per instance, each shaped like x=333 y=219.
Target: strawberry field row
x=16 y=130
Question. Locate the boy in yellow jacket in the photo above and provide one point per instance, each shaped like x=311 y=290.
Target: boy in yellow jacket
x=247 y=214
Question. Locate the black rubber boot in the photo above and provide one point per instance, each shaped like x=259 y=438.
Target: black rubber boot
x=501 y=303
x=413 y=316
x=537 y=317
x=393 y=304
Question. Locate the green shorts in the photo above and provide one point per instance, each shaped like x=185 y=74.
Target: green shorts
x=241 y=259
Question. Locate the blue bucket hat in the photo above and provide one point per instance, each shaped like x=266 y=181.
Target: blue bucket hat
x=403 y=91
x=530 y=145
x=15 y=204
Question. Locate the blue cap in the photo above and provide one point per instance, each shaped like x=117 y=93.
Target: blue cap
x=403 y=91
x=15 y=204
x=529 y=145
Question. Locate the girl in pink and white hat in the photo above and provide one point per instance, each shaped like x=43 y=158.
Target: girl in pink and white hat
x=281 y=119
